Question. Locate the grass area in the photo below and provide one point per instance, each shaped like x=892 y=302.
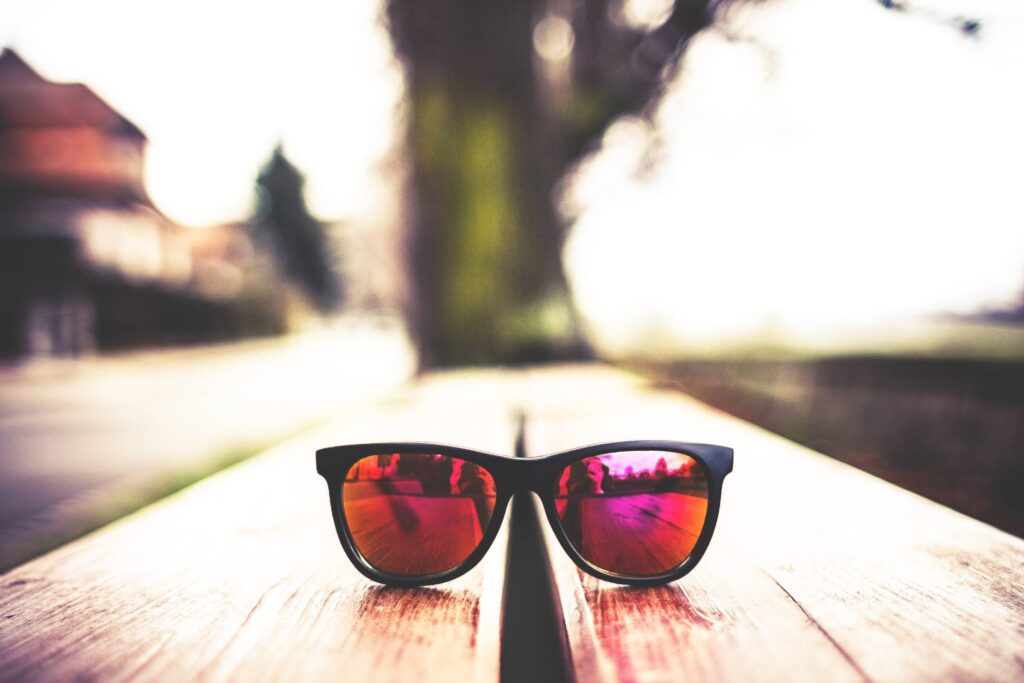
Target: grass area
x=133 y=497
x=951 y=429
x=926 y=339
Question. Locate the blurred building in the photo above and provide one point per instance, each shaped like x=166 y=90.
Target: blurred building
x=86 y=260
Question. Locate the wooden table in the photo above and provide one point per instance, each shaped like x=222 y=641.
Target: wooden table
x=817 y=571
x=241 y=576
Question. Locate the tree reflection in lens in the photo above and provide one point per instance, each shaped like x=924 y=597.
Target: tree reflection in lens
x=416 y=514
x=635 y=513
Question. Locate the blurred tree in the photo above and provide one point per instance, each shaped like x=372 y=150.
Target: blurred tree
x=503 y=96
x=299 y=239
x=968 y=26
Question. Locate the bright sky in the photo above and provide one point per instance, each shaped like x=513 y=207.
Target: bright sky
x=215 y=84
x=841 y=165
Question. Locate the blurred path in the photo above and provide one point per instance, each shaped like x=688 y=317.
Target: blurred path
x=80 y=435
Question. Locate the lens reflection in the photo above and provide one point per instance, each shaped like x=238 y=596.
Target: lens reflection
x=635 y=513
x=416 y=514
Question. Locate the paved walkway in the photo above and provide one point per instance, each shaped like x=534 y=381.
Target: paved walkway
x=80 y=438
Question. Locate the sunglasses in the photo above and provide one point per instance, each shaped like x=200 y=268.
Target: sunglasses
x=632 y=512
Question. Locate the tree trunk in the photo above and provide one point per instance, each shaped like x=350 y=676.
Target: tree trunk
x=488 y=147
x=486 y=243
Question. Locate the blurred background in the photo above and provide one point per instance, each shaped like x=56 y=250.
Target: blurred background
x=220 y=222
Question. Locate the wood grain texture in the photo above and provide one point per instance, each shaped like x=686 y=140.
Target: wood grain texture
x=817 y=571
x=241 y=577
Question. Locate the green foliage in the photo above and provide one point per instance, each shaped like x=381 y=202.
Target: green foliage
x=299 y=239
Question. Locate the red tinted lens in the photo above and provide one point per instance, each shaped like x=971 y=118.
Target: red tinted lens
x=636 y=513
x=416 y=514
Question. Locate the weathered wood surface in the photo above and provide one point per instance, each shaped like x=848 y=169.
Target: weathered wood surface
x=817 y=572
x=241 y=577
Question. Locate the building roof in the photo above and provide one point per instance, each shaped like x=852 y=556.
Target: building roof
x=27 y=100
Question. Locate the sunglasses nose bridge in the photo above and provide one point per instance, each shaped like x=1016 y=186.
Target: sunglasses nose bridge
x=524 y=476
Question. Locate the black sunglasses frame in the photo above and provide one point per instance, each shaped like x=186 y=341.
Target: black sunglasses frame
x=522 y=475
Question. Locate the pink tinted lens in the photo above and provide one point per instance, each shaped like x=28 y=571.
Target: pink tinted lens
x=636 y=513
x=416 y=514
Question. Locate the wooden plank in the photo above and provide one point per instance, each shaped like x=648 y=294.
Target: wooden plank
x=241 y=576
x=817 y=571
